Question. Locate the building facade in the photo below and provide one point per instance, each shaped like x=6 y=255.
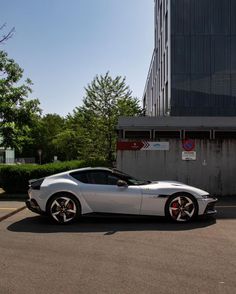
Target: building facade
x=193 y=68
x=7 y=155
x=198 y=151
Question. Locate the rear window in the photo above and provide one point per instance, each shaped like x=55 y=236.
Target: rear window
x=80 y=176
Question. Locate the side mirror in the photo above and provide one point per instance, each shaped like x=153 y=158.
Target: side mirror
x=121 y=183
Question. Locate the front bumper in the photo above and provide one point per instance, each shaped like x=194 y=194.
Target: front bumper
x=210 y=208
x=33 y=206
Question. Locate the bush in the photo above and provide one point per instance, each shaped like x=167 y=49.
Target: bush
x=15 y=178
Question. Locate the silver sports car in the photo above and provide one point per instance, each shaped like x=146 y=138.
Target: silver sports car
x=66 y=196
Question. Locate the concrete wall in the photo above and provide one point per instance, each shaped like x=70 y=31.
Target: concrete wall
x=214 y=169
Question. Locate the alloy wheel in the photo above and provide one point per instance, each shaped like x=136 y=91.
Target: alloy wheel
x=63 y=209
x=182 y=208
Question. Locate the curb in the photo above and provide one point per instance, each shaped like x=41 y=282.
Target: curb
x=12 y=213
x=13 y=197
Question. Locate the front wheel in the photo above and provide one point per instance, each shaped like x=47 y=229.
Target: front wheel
x=181 y=208
x=63 y=209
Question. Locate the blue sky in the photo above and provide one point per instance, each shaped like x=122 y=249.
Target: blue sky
x=62 y=45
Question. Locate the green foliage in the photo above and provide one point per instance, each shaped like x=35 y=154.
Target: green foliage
x=15 y=178
x=66 y=144
x=88 y=133
x=95 y=121
x=16 y=113
x=44 y=130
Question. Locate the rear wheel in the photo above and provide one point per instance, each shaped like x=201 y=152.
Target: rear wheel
x=63 y=208
x=181 y=208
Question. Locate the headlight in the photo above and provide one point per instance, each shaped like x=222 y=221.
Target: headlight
x=206 y=196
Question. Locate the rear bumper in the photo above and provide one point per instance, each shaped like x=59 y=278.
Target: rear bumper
x=33 y=206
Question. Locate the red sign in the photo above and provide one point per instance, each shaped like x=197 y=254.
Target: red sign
x=130 y=145
x=188 y=145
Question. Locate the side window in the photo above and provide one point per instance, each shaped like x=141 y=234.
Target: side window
x=80 y=176
x=112 y=179
x=97 y=177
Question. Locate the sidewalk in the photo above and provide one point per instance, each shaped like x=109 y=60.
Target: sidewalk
x=11 y=204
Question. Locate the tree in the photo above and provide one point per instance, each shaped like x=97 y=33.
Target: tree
x=106 y=99
x=42 y=134
x=49 y=127
x=16 y=112
x=66 y=145
x=6 y=36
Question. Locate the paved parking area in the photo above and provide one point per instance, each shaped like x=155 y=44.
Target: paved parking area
x=118 y=255
x=8 y=208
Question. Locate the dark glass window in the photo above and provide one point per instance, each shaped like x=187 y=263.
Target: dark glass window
x=225 y=135
x=166 y=98
x=220 y=12
x=180 y=17
x=203 y=57
x=200 y=90
x=197 y=134
x=164 y=67
x=233 y=54
x=112 y=179
x=167 y=61
x=80 y=176
x=220 y=54
x=233 y=89
x=221 y=89
x=161 y=16
x=180 y=47
x=200 y=54
x=137 y=134
x=180 y=90
x=166 y=27
x=233 y=17
x=167 y=134
x=96 y=177
x=200 y=20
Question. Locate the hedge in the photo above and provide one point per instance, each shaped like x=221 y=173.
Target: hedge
x=15 y=178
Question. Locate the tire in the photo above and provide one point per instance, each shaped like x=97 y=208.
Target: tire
x=181 y=207
x=63 y=208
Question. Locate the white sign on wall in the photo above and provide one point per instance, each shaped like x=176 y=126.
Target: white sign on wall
x=189 y=155
x=154 y=146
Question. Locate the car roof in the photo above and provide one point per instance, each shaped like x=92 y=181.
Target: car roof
x=89 y=168
x=79 y=170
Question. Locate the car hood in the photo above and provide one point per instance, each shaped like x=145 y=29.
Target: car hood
x=170 y=187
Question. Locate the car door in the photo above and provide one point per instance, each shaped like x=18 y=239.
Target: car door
x=103 y=195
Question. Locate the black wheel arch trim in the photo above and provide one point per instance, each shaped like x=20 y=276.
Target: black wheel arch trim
x=61 y=193
x=183 y=194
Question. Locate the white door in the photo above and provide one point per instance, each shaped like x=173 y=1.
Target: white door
x=110 y=198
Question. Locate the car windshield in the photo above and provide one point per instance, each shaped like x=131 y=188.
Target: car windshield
x=130 y=180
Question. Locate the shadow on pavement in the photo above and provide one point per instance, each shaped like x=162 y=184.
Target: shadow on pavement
x=226 y=211
x=107 y=224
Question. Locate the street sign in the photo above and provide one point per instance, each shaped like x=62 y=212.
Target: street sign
x=189 y=155
x=143 y=146
x=129 y=145
x=188 y=145
x=156 y=146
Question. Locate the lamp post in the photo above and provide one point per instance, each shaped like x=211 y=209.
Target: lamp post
x=40 y=156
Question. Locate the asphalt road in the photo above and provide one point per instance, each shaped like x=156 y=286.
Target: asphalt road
x=118 y=255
